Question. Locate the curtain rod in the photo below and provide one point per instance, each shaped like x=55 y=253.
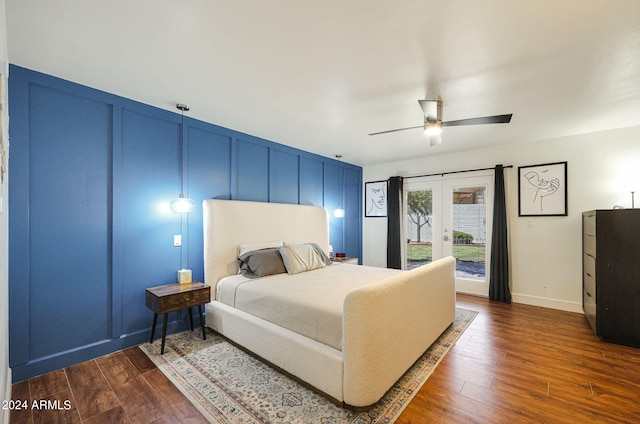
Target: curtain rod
x=442 y=174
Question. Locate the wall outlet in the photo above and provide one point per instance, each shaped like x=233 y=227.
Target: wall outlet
x=177 y=240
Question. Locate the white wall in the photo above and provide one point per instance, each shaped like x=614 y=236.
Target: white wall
x=5 y=371
x=546 y=257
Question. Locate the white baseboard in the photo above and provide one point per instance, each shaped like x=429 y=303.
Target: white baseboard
x=547 y=302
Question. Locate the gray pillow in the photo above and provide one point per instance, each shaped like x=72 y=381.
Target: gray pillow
x=260 y=263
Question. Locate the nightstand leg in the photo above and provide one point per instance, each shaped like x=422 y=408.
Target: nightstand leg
x=204 y=334
x=164 y=332
x=153 y=327
x=190 y=319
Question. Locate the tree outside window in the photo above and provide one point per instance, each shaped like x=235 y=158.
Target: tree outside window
x=420 y=209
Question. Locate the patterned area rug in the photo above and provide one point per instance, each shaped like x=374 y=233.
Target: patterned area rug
x=228 y=385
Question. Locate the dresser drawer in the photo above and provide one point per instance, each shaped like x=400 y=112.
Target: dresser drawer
x=589 y=223
x=590 y=311
x=589 y=266
x=589 y=291
x=588 y=298
x=589 y=288
x=589 y=245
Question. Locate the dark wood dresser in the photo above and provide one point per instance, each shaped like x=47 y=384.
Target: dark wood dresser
x=611 y=274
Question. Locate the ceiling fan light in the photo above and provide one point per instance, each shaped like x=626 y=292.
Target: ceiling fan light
x=435 y=140
x=433 y=128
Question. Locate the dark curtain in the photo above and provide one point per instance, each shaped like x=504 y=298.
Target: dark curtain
x=394 y=223
x=499 y=269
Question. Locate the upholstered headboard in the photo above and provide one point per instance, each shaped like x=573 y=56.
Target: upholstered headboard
x=229 y=223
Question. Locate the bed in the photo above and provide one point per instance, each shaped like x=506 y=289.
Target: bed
x=385 y=319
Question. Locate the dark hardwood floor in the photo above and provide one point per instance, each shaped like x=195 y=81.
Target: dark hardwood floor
x=515 y=363
x=123 y=387
x=523 y=364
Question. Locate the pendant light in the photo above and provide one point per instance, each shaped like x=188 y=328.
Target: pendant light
x=182 y=204
x=339 y=212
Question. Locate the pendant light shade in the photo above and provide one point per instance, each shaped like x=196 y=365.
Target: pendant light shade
x=182 y=204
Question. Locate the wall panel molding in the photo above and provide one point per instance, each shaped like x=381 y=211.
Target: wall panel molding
x=78 y=271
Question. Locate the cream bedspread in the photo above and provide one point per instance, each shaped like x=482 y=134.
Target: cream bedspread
x=309 y=303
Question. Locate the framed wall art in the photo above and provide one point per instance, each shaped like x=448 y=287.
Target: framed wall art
x=542 y=189
x=375 y=199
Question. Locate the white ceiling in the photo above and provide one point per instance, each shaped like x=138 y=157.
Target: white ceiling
x=321 y=75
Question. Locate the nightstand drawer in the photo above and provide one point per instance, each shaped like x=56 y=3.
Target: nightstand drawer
x=171 y=298
x=182 y=301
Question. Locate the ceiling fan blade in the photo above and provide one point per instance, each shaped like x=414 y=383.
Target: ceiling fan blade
x=497 y=119
x=396 y=130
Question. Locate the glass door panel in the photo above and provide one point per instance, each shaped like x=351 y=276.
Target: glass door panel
x=423 y=222
x=419 y=228
x=470 y=232
x=467 y=224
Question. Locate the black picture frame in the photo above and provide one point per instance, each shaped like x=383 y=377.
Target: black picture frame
x=542 y=189
x=375 y=199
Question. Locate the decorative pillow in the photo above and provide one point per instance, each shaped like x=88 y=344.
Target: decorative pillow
x=300 y=258
x=320 y=252
x=248 y=247
x=260 y=263
x=326 y=259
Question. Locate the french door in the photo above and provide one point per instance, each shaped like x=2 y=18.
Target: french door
x=451 y=216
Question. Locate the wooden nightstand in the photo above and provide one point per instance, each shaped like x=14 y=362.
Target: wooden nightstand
x=346 y=260
x=174 y=297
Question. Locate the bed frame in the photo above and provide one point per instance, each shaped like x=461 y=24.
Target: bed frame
x=386 y=326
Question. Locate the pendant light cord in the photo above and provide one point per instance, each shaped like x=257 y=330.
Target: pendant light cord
x=182 y=154
x=182 y=108
x=339 y=186
x=339 y=211
x=339 y=190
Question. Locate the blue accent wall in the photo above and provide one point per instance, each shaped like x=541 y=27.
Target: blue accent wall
x=92 y=175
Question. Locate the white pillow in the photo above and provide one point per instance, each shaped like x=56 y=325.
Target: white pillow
x=319 y=251
x=300 y=258
x=248 y=247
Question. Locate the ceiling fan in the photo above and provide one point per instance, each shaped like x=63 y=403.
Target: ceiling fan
x=433 y=121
